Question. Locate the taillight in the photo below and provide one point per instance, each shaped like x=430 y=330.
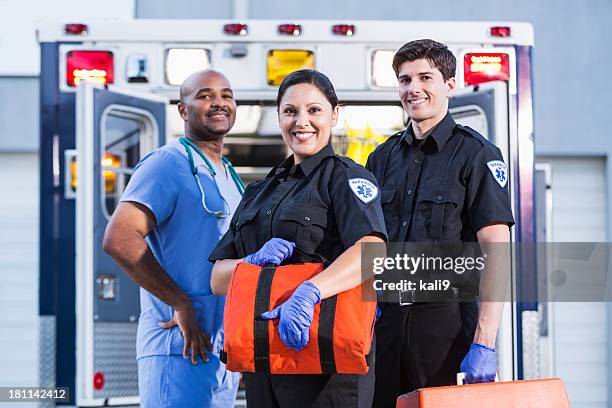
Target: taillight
x=96 y=66
x=485 y=67
x=235 y=29
x=343 y=29
x=290 y=29
x=75 y=29
x=500 y=31
x=98 y=380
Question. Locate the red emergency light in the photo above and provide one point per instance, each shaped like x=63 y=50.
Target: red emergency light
x=290 y=29
x=499 y=31
x=96 y=66
x=485 y=67
x=343 y=29
x=75 y=29
x=235 y=29
x=98 y=380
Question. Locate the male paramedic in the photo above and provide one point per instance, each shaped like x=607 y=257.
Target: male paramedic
x=440 y=182
x=173 y=212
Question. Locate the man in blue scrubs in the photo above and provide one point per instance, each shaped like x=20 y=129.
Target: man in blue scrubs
x=176 y=207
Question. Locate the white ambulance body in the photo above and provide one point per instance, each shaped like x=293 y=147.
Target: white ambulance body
x=93 y=134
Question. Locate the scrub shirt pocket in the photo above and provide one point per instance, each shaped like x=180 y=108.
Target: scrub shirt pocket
x=438 y=213
x=307 y=224
x=245 y=232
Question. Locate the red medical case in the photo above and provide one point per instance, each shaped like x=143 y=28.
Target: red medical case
x=546 y=393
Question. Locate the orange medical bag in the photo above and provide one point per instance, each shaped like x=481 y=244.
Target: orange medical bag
x=547 y=393
x=340 y=335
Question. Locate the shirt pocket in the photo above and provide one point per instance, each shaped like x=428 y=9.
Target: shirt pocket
x=246 y=232
x=390 y=207
x=304 y=225
x=438 y=213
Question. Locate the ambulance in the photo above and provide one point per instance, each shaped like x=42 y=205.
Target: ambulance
x=109 y=92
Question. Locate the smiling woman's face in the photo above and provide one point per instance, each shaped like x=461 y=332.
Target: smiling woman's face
x=306 y=118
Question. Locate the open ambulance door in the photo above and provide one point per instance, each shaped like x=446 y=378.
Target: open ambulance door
x=485 y=109
x=114 y=130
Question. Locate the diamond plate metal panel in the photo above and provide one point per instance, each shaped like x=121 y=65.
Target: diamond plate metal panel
x=115 y=357
x=531 y=345
x=46 y=355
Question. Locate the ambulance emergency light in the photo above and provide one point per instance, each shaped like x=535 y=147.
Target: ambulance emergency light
x=110 y=177
x=382 y=70
x=95 y=66
x=485 y=67
x=182 y=62
x=283 y=62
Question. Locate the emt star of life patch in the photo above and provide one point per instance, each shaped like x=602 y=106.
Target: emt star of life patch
x=499 y=171
x=363 y=189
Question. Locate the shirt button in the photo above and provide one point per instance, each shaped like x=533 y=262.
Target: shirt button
x=409 y=192
x=405 y=223
x=306 y=218
x=439 y=198
x=269 y=212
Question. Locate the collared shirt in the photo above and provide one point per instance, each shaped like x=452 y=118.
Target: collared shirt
x=444 y=188
x=181 y=241
x=324 y=204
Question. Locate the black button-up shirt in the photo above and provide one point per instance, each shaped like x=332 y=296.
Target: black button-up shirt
x=324 y=204
x=443 y=188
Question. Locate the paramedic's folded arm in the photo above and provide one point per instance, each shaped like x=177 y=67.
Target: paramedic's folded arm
x=343 y=274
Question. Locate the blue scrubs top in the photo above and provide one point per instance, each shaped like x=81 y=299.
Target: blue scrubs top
x=181 y=242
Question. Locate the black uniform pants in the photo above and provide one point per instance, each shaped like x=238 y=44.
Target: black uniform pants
x=311 y=391
x=420 y=345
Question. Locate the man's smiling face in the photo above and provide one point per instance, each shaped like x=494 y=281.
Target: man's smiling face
x=208 y=105
x=423 y=91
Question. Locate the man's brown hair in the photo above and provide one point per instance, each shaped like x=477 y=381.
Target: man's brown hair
x=438 y=55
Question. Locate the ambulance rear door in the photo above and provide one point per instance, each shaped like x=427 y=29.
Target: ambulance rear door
x=485 y=108
x=114 y=130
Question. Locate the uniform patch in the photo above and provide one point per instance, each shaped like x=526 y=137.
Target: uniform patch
x=499 y=170
x=364 y=190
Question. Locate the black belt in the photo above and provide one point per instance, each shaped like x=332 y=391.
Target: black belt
x=452 y=294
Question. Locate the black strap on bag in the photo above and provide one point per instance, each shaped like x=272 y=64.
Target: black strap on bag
x=261 y=340
x=327 y=315
x=262 y=336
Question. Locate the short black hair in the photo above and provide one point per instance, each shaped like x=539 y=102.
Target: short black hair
x=438 y=55
x=312 y=77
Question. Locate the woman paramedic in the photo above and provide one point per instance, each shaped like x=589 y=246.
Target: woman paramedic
x=315 y=206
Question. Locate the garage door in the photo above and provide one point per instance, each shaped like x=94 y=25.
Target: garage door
x=19 y=269
x=579 y=330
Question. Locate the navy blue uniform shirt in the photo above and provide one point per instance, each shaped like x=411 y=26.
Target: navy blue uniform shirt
x=443 y=188
x=324 y=204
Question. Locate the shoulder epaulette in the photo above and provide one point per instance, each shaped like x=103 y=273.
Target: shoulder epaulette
x=473 y=133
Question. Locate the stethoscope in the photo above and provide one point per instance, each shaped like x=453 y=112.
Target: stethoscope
x=189 y=145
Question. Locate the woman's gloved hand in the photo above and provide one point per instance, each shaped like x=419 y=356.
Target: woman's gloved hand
x=479 y=364
x=274 y=252
x=296 y=316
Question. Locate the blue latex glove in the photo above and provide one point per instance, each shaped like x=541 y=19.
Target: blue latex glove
x=479 y=364
x=296 y=316
x=274 y=252
x=378 y=313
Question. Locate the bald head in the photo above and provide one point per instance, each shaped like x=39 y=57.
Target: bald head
x=201 y=80
x=207 y=105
